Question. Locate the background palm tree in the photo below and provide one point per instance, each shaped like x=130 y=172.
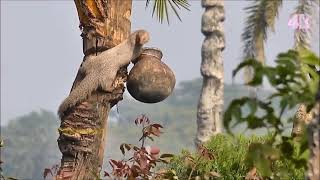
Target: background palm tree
x=313 y=133
x=210 y=106
x=104 y=24
x=302 y=38
x=261 y=17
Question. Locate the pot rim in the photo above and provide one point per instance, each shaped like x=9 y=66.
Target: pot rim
x=152 y=51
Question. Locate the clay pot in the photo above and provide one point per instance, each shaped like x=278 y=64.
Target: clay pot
x=150 y=80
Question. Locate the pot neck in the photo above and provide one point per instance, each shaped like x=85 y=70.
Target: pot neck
x=149 y=52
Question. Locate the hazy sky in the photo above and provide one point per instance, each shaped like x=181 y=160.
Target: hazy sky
x=41 y=47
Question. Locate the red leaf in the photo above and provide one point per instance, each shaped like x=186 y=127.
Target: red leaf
x=128 y=146
x=106 y=174
x=46 y=172
x=157 y=126
x=206 y=153
x=134 y=171
x=155 y=131
x=143 y=118
x=119 y=164
x=112 y=165
x=143 y=161
x=122 y=149
x=143 y=150
x=147 y=120
x=136 y=148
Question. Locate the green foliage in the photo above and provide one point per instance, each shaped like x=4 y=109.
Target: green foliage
x=160 y=7
x=292 y=83
x=232 y=159
x=295 y=80
x=30 y=140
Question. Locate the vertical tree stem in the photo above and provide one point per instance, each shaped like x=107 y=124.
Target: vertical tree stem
x=210 y=106
x=82 y=131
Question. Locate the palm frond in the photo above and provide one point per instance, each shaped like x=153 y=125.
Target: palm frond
x=261 y=18
x=302 y=36
x=160 y=8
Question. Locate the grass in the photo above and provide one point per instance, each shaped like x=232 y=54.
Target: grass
x=230 y=160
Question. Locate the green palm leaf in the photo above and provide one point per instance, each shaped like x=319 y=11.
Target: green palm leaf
x=261 y=17
x=160 y=8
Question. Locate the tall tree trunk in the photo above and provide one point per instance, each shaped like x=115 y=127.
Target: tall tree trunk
x=258 y=55
x=314 y=146
x=302 y=39
x=104 y=24
x=301 y=118
x=314 y=141
x=210 y=107
x=261 y=17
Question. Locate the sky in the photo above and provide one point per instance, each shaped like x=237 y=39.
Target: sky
x=41 y=47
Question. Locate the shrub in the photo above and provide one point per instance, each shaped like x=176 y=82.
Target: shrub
x=231 y=160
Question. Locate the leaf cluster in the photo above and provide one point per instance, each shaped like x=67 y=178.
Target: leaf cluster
x=295 y=80
x=161 y=8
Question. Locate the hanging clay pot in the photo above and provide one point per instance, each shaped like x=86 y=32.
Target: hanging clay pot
x=150 y=80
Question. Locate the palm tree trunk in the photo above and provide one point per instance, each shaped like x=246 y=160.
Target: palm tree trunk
x=210 y=106
x=314 y=146
x=258 y=55
x=104 y=24
x=261 y=17
x=301 y=118
x=314 y=142
x=302 y=38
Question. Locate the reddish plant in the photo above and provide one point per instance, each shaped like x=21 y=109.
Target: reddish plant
x=50 y=171
x=144 y=158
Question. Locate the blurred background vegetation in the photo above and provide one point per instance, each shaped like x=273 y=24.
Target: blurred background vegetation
x=30 y=140
x=231 y=159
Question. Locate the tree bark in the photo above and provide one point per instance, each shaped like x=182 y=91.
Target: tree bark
x=313 y=132
x=302 y=39
x=314 y=147
x=301 y=118
x=258 y=55
x=210 y=106
x=104 y=24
